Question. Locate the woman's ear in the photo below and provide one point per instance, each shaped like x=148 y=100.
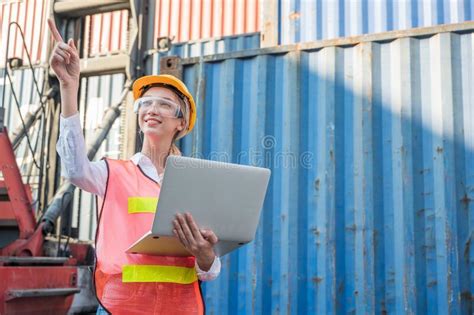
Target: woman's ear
x=181 y=125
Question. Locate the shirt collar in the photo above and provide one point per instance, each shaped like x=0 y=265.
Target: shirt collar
x=141 y=159
x=137 y=157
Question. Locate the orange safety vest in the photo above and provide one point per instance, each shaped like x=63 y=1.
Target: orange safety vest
x=134 y=283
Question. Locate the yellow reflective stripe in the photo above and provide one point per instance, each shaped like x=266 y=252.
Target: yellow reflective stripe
x=142 y=204
x=157 y=273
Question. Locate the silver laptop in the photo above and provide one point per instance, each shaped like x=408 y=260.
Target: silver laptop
x=226 y=198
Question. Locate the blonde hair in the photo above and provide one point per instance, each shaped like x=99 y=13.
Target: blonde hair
x=174 y=150
x=184 y=106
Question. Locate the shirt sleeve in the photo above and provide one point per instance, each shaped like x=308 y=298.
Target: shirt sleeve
x=213 y=272
x=75 y=165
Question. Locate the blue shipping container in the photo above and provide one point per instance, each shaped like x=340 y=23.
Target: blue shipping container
x=371 y=145
x=198 y=48
x=310 y=20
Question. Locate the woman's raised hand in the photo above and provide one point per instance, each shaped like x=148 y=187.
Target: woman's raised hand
x=64 y=59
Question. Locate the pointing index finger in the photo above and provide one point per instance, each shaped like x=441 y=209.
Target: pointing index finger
x=54 y=30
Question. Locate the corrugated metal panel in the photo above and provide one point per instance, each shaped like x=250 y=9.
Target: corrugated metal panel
x=31 y=15
x=303 y=21
x=182 y=20
x=29 y=100
x=100 y=40
x=97 y=93
x=186 y=20
x=215 y=46
x=371 y=145
x=23 y=85
x=199 y=48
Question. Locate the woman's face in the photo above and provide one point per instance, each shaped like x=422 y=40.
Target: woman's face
x=155 y=125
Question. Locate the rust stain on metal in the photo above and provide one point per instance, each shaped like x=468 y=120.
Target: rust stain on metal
x=316 y=184
x=467 y=248
x=468 y=296
x=317 y=280
x=383 y=307
x=340 y=287
x=294 y=15
x=426 y=170
x=402 y=150
x=420 y=212
x=465 y=200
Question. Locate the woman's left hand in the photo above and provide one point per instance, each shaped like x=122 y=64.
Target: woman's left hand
x=200 y=243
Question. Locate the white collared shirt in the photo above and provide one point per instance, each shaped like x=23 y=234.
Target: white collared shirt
x=92 y=176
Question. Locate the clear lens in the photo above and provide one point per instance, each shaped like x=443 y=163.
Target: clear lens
x=163 y=106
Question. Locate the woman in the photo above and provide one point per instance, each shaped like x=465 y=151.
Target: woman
x=127 y=190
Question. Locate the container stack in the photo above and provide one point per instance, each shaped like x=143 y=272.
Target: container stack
x=363 y=111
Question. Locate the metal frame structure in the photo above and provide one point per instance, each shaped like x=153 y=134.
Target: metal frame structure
x=58 y=280
x=69 y=16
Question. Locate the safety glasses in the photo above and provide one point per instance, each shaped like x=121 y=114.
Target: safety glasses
x=165 y=107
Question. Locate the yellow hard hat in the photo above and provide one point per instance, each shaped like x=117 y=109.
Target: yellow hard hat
x=143 y=83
